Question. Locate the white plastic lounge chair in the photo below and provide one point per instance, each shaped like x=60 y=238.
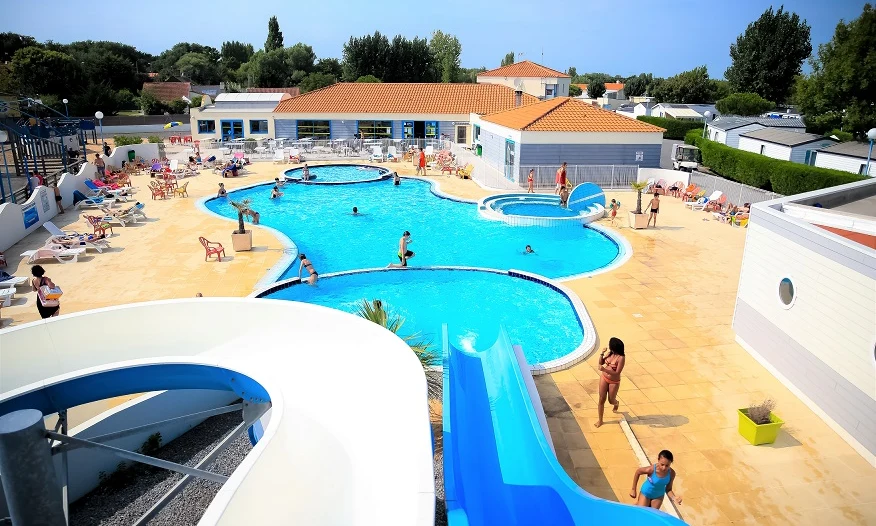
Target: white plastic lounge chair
x=701 y=202
x=95 y=202
x=705 y=200
x=391 y=153
x=13 y=282
x=103 y=191
x=123 y=217
x=56 y=252
x=430 y=152
x=280 y=156
x=74 y=239
x=376 y=154
x=179 y=172
x=6 y=296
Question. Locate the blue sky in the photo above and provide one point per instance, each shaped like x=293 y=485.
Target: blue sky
x=621 y=38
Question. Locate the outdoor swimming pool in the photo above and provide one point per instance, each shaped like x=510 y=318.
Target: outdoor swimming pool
x=473 y=304
x=340 y=173
x=318 y=218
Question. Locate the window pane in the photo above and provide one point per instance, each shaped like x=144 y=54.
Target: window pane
x=431 y=129
x=206 y=126
x=320 y=130
x=375 y=129
x=258 y=126
x=407 y=130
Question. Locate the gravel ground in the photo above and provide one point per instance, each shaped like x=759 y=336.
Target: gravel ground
x=121 y=500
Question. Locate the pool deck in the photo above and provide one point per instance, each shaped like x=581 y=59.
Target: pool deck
x=672 y=304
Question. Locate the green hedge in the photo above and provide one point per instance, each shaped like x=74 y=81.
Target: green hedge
x=154 y=139
x=675 y=129
x=126 y=140
x=783 y=177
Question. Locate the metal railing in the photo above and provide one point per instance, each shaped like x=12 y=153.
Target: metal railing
x=737 y=193
x=608 y=177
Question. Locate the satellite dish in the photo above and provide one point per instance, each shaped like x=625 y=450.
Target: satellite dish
x=518 y=85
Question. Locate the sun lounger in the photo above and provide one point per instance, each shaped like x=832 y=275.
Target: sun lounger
x=702 y=203
x=74 y=239
x=6 y=296
x=122 y=217
x=14 y=281
x=280 y=156
x=105 y=191
x=95 y=202
x=376 y=154
x=56 y=252
x=391 y=154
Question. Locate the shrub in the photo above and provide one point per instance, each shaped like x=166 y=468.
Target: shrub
x=745 y=104
x=675 y=129
x=127 y=140
x=760 y=413
x=783 y=177
x=841 y=135
x=154 y=139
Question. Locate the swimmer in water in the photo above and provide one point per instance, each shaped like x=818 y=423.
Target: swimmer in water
x=529 y=250
x=356 y=211
x=275 y=193
x=306 y=264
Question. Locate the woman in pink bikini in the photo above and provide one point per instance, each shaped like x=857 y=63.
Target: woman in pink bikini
x=610 y=368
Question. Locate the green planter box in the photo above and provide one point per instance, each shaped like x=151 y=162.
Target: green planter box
x=759 y=434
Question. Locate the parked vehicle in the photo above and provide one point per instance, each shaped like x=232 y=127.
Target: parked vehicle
x=685 y=157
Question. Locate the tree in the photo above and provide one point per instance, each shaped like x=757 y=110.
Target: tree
x=470 y=75
x=198 y=68
x=40 y=71
x=97 y=96
x=275 y=36
x=637 y=85
x=720 y=89
x=841 y=91
x=596 y=89
x=575 y=91
x=744 y=104
x=369 y=79
x=301 y=57
x=402 y=60
x=446 y=50
x=121 y=65
x=234 y=54
x=330 y=66
x=150 y=104
x=688 y=87
x=508 y=60
x=365 y=55
x=316 y=80
x=165 y=63
x=12 y=42
x=572 y=72
x=769 y=54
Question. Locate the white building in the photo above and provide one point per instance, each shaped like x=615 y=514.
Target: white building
x=726 y=130
x=806 y=303
x=676 y=111
x=846 y=156
x=236 y=116
x=785 y=145
x=529 y=77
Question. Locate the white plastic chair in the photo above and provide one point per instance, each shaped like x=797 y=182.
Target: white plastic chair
x=376 y=153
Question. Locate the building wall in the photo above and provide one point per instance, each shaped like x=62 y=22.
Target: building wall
x=842 y=162
x=823 y=344
x=286 y=128
x=589 y=154
x=345 y=129
x=531 y=85
x=776 y=151
x=798 y=153
x=224 y=116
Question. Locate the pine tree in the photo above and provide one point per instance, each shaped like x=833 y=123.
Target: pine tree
x=275 y=36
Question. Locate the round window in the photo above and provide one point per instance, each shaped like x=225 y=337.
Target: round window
x=786 y=292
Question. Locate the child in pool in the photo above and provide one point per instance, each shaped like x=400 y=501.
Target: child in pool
x=529 y=250
x=658 y=483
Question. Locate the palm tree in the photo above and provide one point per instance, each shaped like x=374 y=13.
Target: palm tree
x=638 y=187
x=242 y=207
x=375 y=311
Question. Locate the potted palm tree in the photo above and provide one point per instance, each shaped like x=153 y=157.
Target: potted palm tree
x=241 y=239
x=637 y=218
x=375 y=311
x=758 y=424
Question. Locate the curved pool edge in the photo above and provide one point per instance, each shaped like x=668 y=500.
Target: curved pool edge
x=584 y=350
x=625 y=252
x=487 y=211
x=290 y=249
x=386 y=174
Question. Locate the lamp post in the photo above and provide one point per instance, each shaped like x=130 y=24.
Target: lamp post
x=67 y=111
x=99 y=116
x=871 y=134
x=706 y=116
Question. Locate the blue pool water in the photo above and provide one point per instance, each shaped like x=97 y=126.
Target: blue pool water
x=340 y=173
x=472 y=304
x=444 y=232
x=537 y=209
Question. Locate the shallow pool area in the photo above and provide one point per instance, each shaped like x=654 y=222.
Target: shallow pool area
x=339 y=174
x=472 y=303
x=445 y=232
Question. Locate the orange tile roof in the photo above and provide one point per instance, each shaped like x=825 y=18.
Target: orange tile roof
x=523 y=69
x=564 y=114
x=294 y=91
x=617 y=86
x=582 y=86
x=168 y=91
x=408 y=98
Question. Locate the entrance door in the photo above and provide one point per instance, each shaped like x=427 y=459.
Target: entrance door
x=509 y=159
x=420 y=129
x=462 y=134
x=231 y=130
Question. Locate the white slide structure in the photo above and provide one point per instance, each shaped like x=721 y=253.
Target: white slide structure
x=347 y=440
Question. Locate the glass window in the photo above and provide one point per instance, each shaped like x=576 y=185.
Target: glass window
x=258 y=126
x=206 y=126
x=431 y=129
x=407 y=130
x=375 y=129
x=787 y=294
x=320 y=130
x=476 y=134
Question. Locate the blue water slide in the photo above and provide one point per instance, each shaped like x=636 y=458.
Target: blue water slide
x=586 y=195
x=499 y=467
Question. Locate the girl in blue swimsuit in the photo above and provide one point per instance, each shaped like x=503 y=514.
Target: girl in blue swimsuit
x=658 y=482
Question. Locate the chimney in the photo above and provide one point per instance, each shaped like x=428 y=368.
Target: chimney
x=518 y=97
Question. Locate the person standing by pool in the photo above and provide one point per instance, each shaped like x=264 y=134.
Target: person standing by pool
x=610 y=368
x=403 y=253
x=530 y=181
x=58 y=198
x=100 y=165
x=658 y=482
x=48 y=308
x=305 y=173
x=421 y=165
x=222 y=191
x=614 y=207
x=561 y=178
x=306 y=264
x=655 y=208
